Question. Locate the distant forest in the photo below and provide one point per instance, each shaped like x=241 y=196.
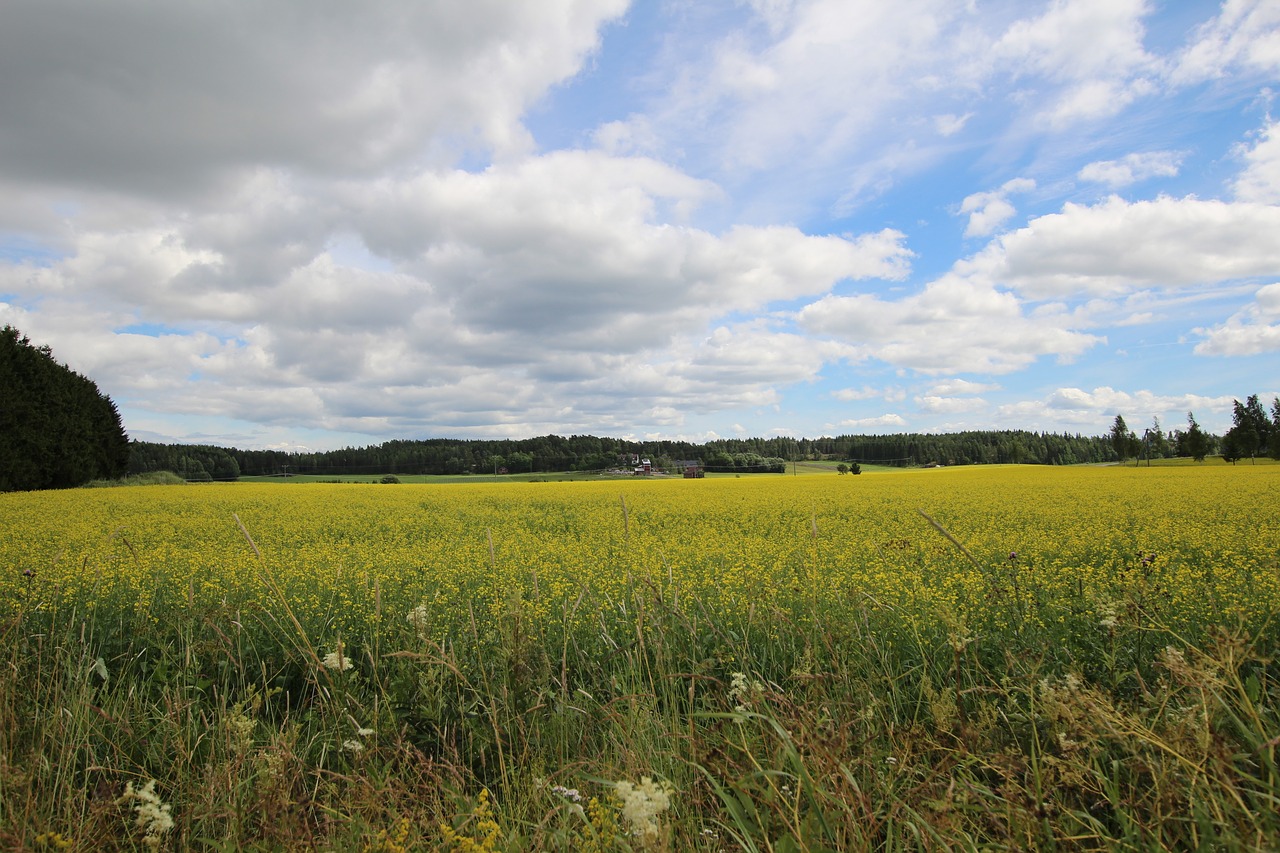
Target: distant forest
x=554 y=453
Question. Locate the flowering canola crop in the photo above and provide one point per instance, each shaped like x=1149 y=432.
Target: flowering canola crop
x=980 y=547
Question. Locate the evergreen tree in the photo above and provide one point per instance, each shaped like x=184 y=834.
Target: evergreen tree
x=1250 y=430
x=1155 y=442
x=1197 y=443
x=57 y=429
x=1122 y=440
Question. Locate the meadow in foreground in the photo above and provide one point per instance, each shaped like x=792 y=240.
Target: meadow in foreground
x=1075 y=658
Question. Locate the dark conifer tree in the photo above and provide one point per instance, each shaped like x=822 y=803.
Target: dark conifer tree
x=57 y=429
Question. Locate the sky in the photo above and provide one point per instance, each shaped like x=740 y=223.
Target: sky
x=311 y=224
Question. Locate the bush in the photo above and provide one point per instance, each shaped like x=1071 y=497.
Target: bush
x=153 y=478
x=390 y=478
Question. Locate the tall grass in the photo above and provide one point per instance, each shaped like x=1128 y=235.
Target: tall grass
x=807 y=724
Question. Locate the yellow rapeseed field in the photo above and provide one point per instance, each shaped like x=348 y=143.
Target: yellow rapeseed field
x=1183 y=544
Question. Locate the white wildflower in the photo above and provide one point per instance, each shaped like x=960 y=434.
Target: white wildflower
x=419 y=617
x=642 y=804
x=1108 y=615
x=352 y=745
x=744 y=691
x=153 y=816
x=337 y=660
x=364 y=732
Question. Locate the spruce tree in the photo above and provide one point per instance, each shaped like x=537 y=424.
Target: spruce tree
x=1197 y=443
x=57 y=429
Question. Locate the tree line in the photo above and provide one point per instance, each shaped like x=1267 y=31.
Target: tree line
x=595 y=453
x=1253 y=433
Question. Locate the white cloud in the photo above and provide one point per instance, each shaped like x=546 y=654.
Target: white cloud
x=1132 y=168
x=951 y=387
x=936 y=405
x=810 y=90
x=1260 y=180
x=951 y=124
x=1079 y=39
x=1245 y=34
x=575 y=245
x=890 y=394
x=1253 y=330
x=989 y=210
x=634 y=136
x=1094 y=411
x=1118 y=246
x=953 y=326
x=1089 y=52
x=558 y=278
x=878 y=422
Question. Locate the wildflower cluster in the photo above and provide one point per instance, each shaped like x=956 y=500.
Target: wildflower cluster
x=483 y=834
x=152 y=814
x=570 y=794
x=642 y=804
x=744 y=691
x=419 y=618
x=53 y=841
x=356 y=744
x=391 y=840
x=337 y=660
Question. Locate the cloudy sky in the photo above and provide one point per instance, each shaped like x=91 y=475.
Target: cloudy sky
x=318 y=223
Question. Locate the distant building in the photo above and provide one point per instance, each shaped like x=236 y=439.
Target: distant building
x=691 y=468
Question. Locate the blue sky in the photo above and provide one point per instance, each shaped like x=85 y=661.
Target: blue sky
x=320 y=224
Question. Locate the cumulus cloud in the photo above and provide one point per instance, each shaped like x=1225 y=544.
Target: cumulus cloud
x=936 y=405
x=1132 y=168
x=891 y=394
x=1094 y=411
x=989 y=210
x=1260 y=180
x=1118 y=246
x=886 y=421
x=953 y=326
x=1252 y=331
x=1090 y=52
x=951 y=387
